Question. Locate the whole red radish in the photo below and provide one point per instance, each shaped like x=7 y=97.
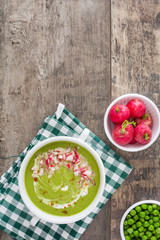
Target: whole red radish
x=137 y=108
x=143 y=134
x=123 y=133
x=119 y=113
x=133 y=141
x=146 y=119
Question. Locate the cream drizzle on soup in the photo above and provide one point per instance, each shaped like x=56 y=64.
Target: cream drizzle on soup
x=61 y=176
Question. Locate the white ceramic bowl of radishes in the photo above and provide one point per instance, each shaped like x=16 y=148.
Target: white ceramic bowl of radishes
x=132 y=122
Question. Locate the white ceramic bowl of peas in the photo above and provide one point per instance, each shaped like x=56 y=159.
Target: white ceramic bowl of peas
x=141 y=221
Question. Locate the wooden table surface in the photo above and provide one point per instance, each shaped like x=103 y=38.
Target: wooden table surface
x=84 y=54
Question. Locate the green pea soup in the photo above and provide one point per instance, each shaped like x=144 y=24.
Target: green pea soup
x=47 y=185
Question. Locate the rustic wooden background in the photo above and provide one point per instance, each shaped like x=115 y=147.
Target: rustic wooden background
x=83 y=53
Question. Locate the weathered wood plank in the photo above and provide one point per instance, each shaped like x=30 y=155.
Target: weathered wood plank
x=135 y=68
x=53 y=51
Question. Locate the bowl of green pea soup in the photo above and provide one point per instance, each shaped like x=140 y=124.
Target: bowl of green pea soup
x=141 y=221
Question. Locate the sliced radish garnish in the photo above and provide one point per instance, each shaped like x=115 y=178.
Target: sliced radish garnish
x=76 y=154
x=82 y=169
x=88 y=173
x=69 y=158
x=47 y=163
x=76 y=173
x=69 y=166
x=55 y=160
x=85 y=177
x=68 y=154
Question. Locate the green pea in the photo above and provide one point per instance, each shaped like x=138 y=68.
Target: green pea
x=156 y=224
x=149 y=234
x=155 y=219
x=158 y=230
x=128 y=216
x=150 y=221
x=131 y=236
x=153 y=238
x=142 y=220
x=141 y=234
x=142 y=214
x=147 y=218
x=138 y=224
x=151 y=228
x=133 y=212
x=144 y=237
x=131 y=221
x=136 y=233
x=136 y=217
x=158 y=235
x=141 y=229
x=144 y=206
x=130 y=230
x=154 y=206
x=147 y=212
x=138 y=209
x=125 y=223
x=125 y=232
x=134 y=226
x=150 y=209
x=155 y=212
x=127 y=237
x=146 y=224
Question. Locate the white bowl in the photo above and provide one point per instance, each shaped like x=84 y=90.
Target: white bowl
x=151 y=108
x=50 y=217
x=129 y=209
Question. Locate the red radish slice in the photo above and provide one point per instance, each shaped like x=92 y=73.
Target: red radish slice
x=47 y=163
x=55 y=152
x=68 y=154
x=81 y=169
x=88 y=173
x=69 y=158
x=76 y=173
x=55 y=160
x=69 y=166
x=76 y=154
x=85 y=177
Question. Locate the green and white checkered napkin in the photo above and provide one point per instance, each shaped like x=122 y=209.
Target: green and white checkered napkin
x=14 y=215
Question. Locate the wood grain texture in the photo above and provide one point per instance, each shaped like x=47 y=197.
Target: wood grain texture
x=53 y=51
x=135 y=68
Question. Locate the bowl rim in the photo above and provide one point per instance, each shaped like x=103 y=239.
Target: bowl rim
x=50 y=217
x=130 y=208
x=140 y=148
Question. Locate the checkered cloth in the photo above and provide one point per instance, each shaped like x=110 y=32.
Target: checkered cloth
x=14 y=215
